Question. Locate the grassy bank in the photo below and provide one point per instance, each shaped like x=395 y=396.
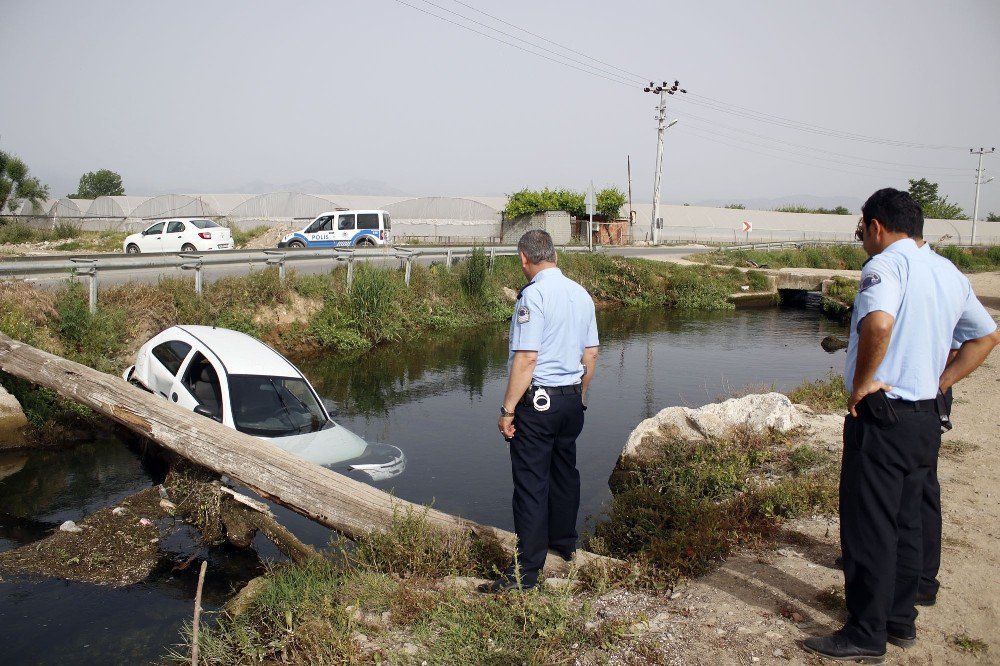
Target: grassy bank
x=688 y=504
x=321 y=314
x=850 y=257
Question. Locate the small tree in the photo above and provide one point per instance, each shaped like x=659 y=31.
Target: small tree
x=16 y=185
x=735 y=206
x=934 y=207
x=993 y=217
x=609 y=202
x=101 y=183
x=529 y=202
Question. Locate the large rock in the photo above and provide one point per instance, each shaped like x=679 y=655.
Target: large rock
x=12 y=422
x=759 y=411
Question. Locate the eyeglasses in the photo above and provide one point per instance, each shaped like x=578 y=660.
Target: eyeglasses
x=859 y=233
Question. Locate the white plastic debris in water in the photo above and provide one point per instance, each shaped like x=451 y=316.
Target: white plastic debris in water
x=117 y=511
x=70 y=526
x=145 y=522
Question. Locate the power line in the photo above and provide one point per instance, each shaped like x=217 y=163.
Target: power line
x=521 y=48
x=691 y=116
x=708 y=135
x=627 y=75
x=807 y=127
x=637 y=77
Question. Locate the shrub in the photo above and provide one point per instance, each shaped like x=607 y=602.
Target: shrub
x=15 y=231
x=822 y=394
x=474 y=273
x=372 y=303
x=64 y=229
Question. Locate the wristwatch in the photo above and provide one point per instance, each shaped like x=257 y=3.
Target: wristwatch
x=504 y=412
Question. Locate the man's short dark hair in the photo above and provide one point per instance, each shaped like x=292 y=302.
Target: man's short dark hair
x=537 y=246
x=896 y=210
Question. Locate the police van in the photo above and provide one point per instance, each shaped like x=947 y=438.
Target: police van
x=348 y=228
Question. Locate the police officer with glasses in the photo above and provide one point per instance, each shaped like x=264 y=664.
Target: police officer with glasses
x=553 y=351
x=910 y=305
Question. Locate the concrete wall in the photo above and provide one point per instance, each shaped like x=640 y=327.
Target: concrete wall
x=556 y=222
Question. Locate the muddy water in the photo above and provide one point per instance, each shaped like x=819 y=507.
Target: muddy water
x=438 y=399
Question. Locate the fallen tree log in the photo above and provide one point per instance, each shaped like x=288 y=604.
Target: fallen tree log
x=336 y=501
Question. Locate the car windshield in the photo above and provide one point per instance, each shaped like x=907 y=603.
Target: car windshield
x=274 y=406
x=204 y=224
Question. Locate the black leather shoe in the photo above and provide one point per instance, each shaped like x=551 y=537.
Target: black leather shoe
x=505 y=585
x=839 y=647
x=925 y=599
x=904 y=638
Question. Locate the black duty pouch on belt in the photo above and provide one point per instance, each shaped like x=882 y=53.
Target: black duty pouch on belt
x=944 y=409
x=877 y=409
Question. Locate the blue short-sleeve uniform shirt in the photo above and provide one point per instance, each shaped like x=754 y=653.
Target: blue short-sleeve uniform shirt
x=933 y=307
x=555 y=317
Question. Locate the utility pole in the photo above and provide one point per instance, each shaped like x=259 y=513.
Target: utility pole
x=661 y=126
x=979 y=181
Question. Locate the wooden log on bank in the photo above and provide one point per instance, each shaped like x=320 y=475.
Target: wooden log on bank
x=336 y=501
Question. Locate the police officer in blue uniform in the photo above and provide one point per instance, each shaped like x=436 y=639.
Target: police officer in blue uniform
x=909 y=307
x=553 y=351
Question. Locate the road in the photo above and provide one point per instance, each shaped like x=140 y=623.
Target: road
x=302 y=265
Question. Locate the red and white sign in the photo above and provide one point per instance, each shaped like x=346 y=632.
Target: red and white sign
x=747 y=227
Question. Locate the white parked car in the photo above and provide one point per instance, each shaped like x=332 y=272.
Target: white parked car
x=186 y=234
x=244 y=384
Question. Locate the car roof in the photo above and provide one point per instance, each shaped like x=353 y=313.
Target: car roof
x=352 y=210
x=240 y=353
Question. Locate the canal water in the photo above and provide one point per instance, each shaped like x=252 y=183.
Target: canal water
x=438 y=400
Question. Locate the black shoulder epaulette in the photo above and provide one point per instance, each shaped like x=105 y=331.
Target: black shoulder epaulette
x=521 y=290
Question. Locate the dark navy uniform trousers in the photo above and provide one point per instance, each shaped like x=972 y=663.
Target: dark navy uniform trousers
x=882 y=480
x=546 y=481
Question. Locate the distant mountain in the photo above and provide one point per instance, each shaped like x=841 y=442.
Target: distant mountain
x=807 y=200
x=358 y=186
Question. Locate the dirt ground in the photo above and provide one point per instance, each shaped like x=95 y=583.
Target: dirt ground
x=758 y=607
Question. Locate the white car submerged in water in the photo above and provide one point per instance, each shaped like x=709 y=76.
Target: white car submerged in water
x=244 y=384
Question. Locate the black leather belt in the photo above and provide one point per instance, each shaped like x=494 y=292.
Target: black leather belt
x=913 y=405
x=569 y=389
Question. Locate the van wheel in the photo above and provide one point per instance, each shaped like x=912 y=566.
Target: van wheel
x=187 y=247
x=132 y=249
x=365 y=242
x=296 y=243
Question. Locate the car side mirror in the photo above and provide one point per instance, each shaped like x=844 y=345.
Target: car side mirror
x=205 y=411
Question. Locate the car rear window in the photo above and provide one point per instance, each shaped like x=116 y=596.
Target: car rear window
x=204 y=224
x=171 y=353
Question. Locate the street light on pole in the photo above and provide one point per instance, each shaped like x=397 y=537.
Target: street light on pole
x=979 y=181
x=661 y=126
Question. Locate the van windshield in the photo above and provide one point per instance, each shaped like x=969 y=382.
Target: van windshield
x=265 y=406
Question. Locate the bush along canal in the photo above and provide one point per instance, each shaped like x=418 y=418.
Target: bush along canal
x=422 y=368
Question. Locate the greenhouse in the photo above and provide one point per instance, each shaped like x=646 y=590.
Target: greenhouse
x=446 y=218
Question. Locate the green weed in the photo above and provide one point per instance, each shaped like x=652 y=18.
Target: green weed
x=826 y=395
x=966 y=643
x=687 y=504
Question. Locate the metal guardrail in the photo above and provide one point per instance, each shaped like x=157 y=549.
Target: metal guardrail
x=90 y=265
x=777 y=245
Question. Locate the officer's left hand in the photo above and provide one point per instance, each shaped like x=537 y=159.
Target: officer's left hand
x=861 y=391
x=506 y=425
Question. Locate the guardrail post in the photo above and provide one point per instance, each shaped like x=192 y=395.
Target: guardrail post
x=409 y=265
x=88 y=267
x=448 y=265
x=277 y=259
x=350 y=270
x=493 y=256
x=196 y=267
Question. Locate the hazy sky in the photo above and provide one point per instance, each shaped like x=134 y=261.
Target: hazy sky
x=211 y=96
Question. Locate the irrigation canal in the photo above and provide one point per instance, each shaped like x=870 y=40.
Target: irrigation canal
x=438 y=400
